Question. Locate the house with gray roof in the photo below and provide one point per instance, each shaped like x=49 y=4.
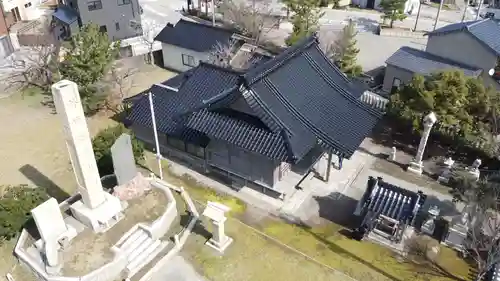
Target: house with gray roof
x=187 y=43
x=266 y=127
x=472 y=47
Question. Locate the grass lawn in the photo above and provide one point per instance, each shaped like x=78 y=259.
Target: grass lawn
x=326 y=244
x=253 y=257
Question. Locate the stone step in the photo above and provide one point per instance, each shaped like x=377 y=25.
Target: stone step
x=131 y=239
x=140 y=248
x=141 y=240
x=149 y=266
x=146 y=257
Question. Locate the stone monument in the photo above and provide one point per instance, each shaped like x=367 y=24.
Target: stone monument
x=97 y=209
x=392 y=156
x=416 y=165
x=446 y=173
x=429 y=225
x=474 y=169
x=123 y=159
x=216 y=213
x=53 y=232
x=459 y=228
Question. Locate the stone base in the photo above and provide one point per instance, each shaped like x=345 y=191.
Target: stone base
x=442 y=179
x=54 y=270
x=220 y=247
x=415 y=167
x=475 y=174
x=101 y=218
x=455 y=238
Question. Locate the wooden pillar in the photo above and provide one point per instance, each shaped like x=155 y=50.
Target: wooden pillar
x=329 y=166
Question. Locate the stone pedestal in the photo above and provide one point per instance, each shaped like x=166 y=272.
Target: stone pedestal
x=100 y=218
x=216 y=213
x=429 y=225
x=456 y=237
x=415 y=167
x=219 y=241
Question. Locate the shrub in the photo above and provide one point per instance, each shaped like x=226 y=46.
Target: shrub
x=16 y=203
x=102 y=143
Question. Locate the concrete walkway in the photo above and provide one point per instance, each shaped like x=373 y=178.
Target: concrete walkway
x=177 y=269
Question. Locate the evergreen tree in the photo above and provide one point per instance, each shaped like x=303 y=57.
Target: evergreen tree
x=102 y=143
x=304 y=19
x=346 y=51
x=393 y=10
x=466 y=108
x=88 y=59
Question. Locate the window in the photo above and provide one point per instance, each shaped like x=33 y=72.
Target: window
x=123 y=2
x=188 y=60
x=27 y=5
x=176 y=143
x=103 y=29
x=117 y=26
x=94 y=5
x=396 y=83
x=195 y=150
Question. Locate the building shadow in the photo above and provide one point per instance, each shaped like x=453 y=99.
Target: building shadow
x=446 y=206
x=198 y=229
x=42 y=181
x=366 y=24
x=330 y=205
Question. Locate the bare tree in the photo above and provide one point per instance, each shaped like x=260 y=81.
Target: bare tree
x=35 y=66
x=222 y=53
x=147 y=31
x=328 y=44
x=482 y=219
x=122 y=81
x=254 y=19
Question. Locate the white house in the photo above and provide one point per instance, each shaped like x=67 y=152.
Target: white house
x=187 y=43
x=22 y=9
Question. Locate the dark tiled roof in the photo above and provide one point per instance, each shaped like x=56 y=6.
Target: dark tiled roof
x=194 y=36
x=206 y=82
x=299 y=97
x=179 y=79
x=421 y=62
x=301 y=88
x=392 y=201
x=486 y=31
x=239 y=133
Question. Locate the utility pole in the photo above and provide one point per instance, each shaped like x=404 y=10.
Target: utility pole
x=465 y=11
x=479 y=9
x=437 y=16
x=418 y=15
x=213 y=12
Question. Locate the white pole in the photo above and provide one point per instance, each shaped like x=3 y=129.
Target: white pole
x=155 y=132
x=213 y=11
